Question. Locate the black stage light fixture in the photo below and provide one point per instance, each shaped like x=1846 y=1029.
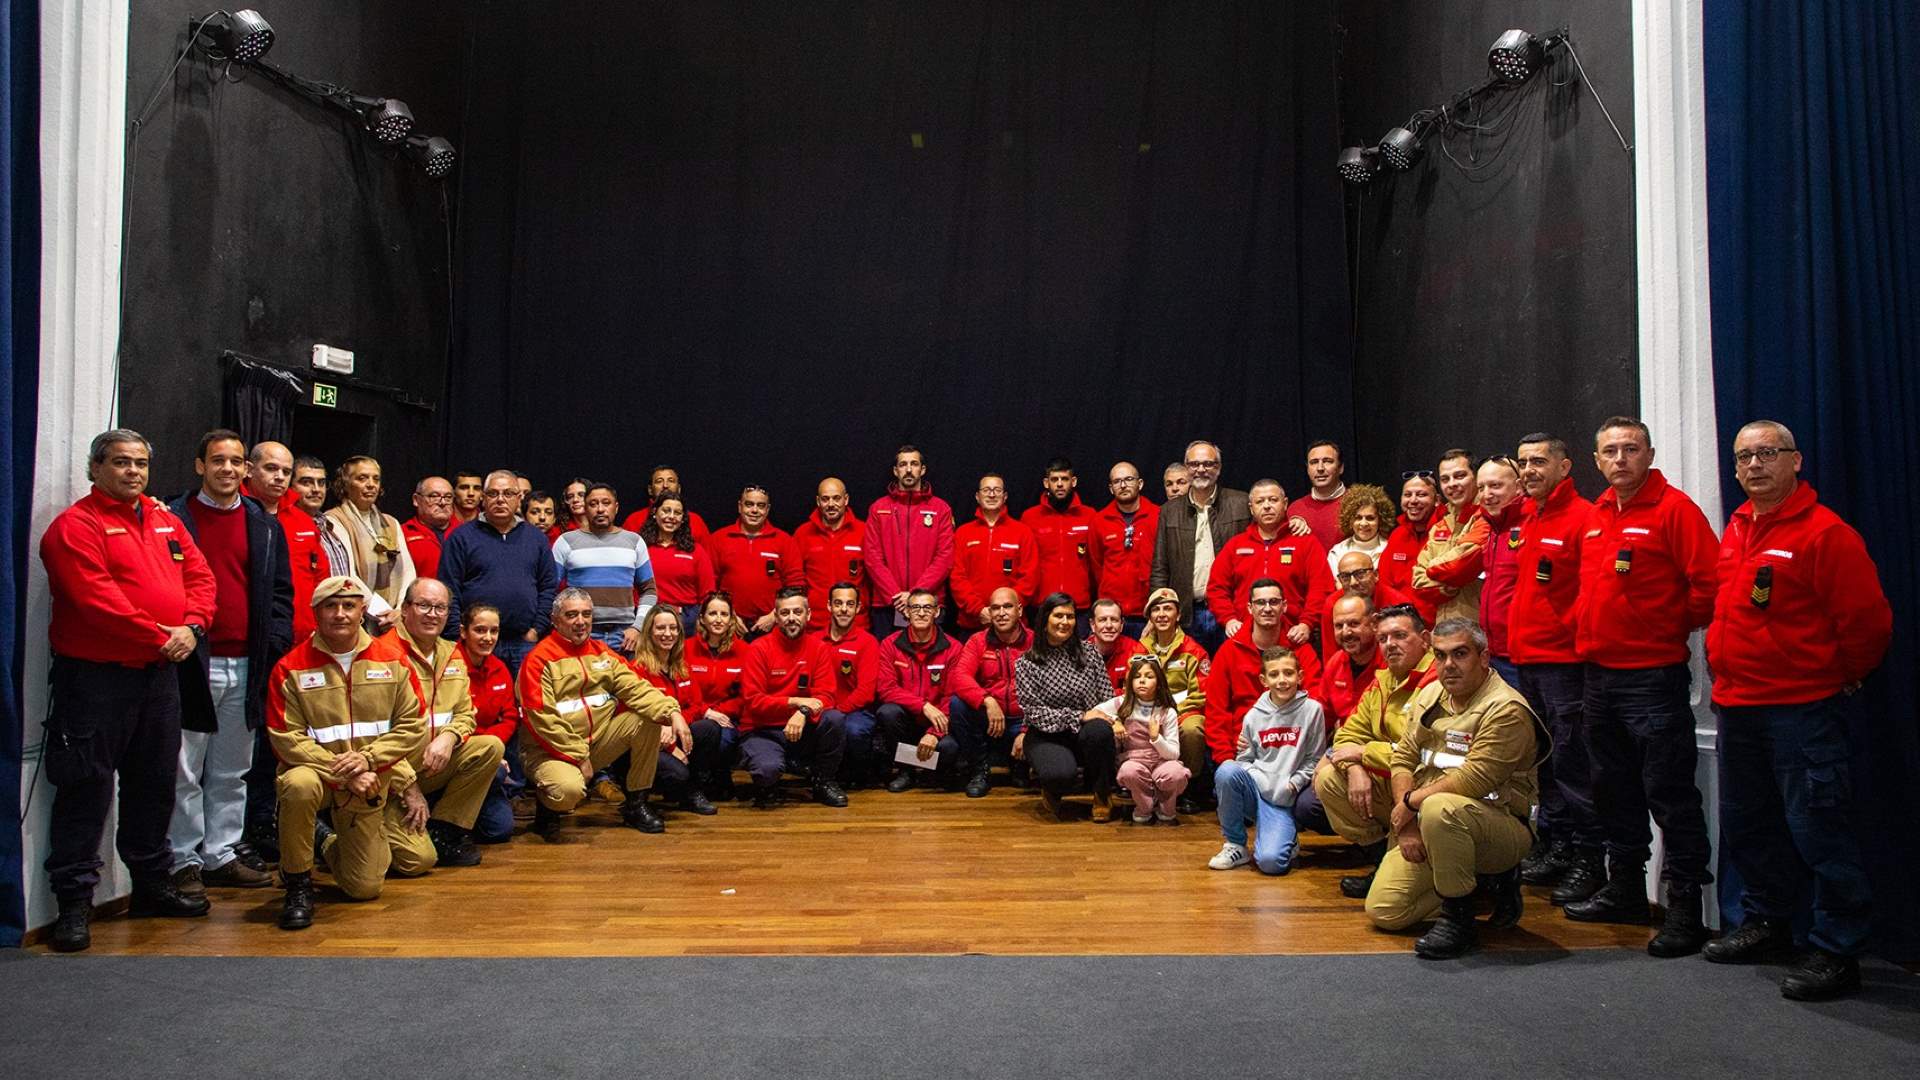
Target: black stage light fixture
x=240 y=37
x=432 y=153
x=1515 y=56
x=1400 y=148
x=1358 y=164
x=388 y=119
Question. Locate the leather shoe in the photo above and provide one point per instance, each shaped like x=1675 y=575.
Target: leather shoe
x=297 y=914
x=1757 y=940
x=162 y=899
x=1356 y=887
x=638 y=815
x=979 y=784
x=697 y=802
x=1050 y=798
x=901 y=781
x=765 y=797
x=188 y=880
x=235 y=874
x=1186 y=805
x=1578 y=882
x=546 y=824
x=1821 y=976
x=1103 y=807
x=607 y=791
x=828 y=793
x=73 y=930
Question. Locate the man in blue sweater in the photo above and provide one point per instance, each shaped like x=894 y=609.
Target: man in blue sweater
x=501 y=560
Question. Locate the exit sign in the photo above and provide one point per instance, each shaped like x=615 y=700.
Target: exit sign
x=326 y=396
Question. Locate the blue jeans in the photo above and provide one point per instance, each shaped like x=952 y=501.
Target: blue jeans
x=1787 y=815
x=1276 y=836
x=1640 y=728
x=494 y=824
x=1506 y=669
x=512 y=651
x=970 y=728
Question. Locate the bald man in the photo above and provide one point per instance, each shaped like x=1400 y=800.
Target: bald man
x=832 y=544
x=501 y=560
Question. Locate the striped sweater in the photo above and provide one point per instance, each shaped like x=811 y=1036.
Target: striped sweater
x=615 y=570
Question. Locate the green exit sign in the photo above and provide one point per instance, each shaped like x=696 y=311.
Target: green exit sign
x=326 y=396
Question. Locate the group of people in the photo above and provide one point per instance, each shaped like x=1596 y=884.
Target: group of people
x=1483 y=686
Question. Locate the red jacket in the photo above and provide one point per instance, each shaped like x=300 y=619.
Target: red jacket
x=912 y=675
x=681 y=578
x=1299 y=563
x=1233 y=685
x=754 y=569
x=1340 y=688
x=986 y=557
x=423 y=546
x=1124 y=650
x=307 y=559
x=1647 y=578
x=720 y=678
x=696 y=525
x=778 y=668
x=685 y=692
x=1070 y=551
x=1826 y=623
x=117 y=578
x=496 y=711
x=1384 y=596
x=1540 y=620
x=909 y=543
x=1397 y=559
x=1126 y=559
x=985 y=669
x=856 y=668
x=828 y=557
x=1501 y=563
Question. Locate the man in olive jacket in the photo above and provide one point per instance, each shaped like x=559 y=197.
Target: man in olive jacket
x=1182 y=554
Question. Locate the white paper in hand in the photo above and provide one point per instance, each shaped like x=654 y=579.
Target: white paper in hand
x=909 y=754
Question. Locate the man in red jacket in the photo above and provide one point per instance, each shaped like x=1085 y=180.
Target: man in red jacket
x=990 y=552
x=1358 y=575
x=1268 y=549
x=1234 y=683
x=1111 y=640
x=754 y=559
x=1127 y=528
x=132 y=597
x=426 y=530
x=1647 y=580
x=1799 y=620
x=789 y=713
x=1502 y=505
x=832 y=547
x=1355 y=657
x=855 y=677
x=909 y=541
x=986 y=703
x=1068 y=535
x=914 y=665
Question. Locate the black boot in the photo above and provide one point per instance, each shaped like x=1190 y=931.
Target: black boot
x=828 y=793
x=766 y=796
x=1547 y=863
x=1623 y=899
x=1757 y=941
x=638 y=815
x=1582 y=878
x=453 y=844
x=546 y=823
x=1453 y=932
x=696 y=802
x=298 y=912
x=1821 y=976
x=1357 y=886
x=73 y=930
x=979 y=783
x=1507 y=898
x=162 y=898
x=1681 y=933
x=901 y=781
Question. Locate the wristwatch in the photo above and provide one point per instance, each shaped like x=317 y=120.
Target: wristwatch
x=806 y=711
x=1406 y=800
x=199 y=632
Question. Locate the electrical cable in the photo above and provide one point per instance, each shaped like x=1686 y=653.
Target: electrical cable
x=1582 y=68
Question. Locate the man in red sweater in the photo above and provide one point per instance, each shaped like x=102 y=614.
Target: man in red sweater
x=986 y=703
x=1269 y=550
x=426 y=530
x=1799 y=620
x=1319 y=512
x=1234 y=683
x=1647 y=581
x=1127 y=528
x=789 y=710
x=991 y=552
x=855 y=679
x=832 y=547
x=914 y=664
x=1355 y=658
x=909 y=542
x=754 y=559
x=1068 y=535
x=132 y=598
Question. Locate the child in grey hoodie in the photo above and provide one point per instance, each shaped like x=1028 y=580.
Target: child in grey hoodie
x=1281 y=741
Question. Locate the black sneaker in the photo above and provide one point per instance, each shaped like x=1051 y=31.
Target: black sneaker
x=828 y=793
x=1756 y=941
x=73 y=930
x=1821 y=976
x=253 y=859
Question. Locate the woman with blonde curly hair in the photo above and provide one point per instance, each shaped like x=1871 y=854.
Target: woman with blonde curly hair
x=1366 y=517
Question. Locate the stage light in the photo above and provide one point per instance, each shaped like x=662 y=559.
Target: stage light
x=1358 y=164
x=241 y=37
x=432 y=153
x=1515 y=56
x=389 y=120
x=1400 y=149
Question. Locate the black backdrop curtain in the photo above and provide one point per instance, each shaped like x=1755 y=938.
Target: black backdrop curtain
x=768 y=242
x=19 y=408
x=1813 y=184
x=259 y=401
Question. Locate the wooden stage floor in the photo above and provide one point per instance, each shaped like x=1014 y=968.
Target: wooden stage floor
x=915 y=873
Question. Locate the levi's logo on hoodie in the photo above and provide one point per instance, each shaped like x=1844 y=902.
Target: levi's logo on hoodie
x=1275 y=737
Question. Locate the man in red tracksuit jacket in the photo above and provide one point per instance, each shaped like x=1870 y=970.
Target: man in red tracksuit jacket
x=1352 y=658
x=1800 y=619
x=856 y=672
x=789 y=717
x=1647 y=581
x=1233 y=683
x=1127 y=528
x=832 y=548
x=990 y=552
x=913 y=687
x=1069 y=537
x=753 y=559
x=985 y=695
x=1268 y=549
x=909 y=542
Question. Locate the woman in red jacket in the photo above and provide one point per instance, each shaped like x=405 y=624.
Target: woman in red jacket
x=496 y=712
x=682 y=570
x=1418 y=496
x=687 y=758
x=715 y=660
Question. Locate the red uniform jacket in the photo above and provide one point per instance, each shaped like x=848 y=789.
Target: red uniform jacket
x=856 y=668
x=985 y=669
x=1124 y=650
x=696 y=525
x=681 y=578
x=1298 y=563
x=1234 y=684
x=496 y=711
x=779 y=667
x=1341 y=687
x=914 y=675
x=909 y=543
x=1397 y=559
x=720 y=678
x=1126 y=557
x=423 y=545
x=117 y=577
x=1647 y=578
x=307 y=559
x=684 y=691
x=1825 y=624
x=986 y=557
x=1540 y=620
x=1501 y=562
x=1070 y=552
x=754 y=569
x=1384 y=596
x=829 y=557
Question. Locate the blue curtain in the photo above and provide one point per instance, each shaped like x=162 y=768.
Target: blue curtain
x=1813 y=183
x=19 y=405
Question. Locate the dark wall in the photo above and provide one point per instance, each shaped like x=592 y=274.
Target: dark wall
x=263 y=224
x=1503 y=302
x=704 y=233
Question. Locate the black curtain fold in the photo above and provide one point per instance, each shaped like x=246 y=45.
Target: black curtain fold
x=259 y=401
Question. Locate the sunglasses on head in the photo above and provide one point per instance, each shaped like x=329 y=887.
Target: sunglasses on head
x=1417 y=474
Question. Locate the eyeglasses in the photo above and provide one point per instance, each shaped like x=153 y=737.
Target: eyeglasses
x=428 y=609
x=509 y=494
x=993 y=491
x=923 y=607
x=1196 y=466
x=1355 y=575
x=1501 y=459
x=1762 y=454
x=435 y=496
x=1272 y=601
x=1417 y=474
x=1121 y=480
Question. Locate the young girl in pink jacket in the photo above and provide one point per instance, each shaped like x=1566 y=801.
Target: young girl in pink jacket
x=1148 y=731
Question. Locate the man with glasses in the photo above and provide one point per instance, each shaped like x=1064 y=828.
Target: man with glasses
x=1799 y=620
x=1357 y=575
x=753 y=559
x=501 y=560
x=1647 y=581
x=994 y=551
x=1191 y=530
x=1234 y=682
x=914 y=687
x=1447 y=572
x=1127 y=526
x=426 y=530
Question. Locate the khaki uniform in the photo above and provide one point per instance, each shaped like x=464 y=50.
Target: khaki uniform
x=315 y=711
x=446 y=692
x=1186 y=666
x=1456 y=534
x=1377 y=723
x=1484 y=752
x=584 y=703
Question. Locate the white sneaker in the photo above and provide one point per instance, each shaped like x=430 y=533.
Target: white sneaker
x=1232 y=856
x=1143 y=815
x=1166 y=815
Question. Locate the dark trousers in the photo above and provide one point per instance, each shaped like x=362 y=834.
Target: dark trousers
x=1640 y=729
x=1204 y=629
x=976 y=746
x=673 y=777
x=106 y=718
x=1787 y=816
x=494 y=823
x=1055 y=756
x=862 y=751
x=1557 y=693
x=897 y=725
x=263 y=790
x=766 y=751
